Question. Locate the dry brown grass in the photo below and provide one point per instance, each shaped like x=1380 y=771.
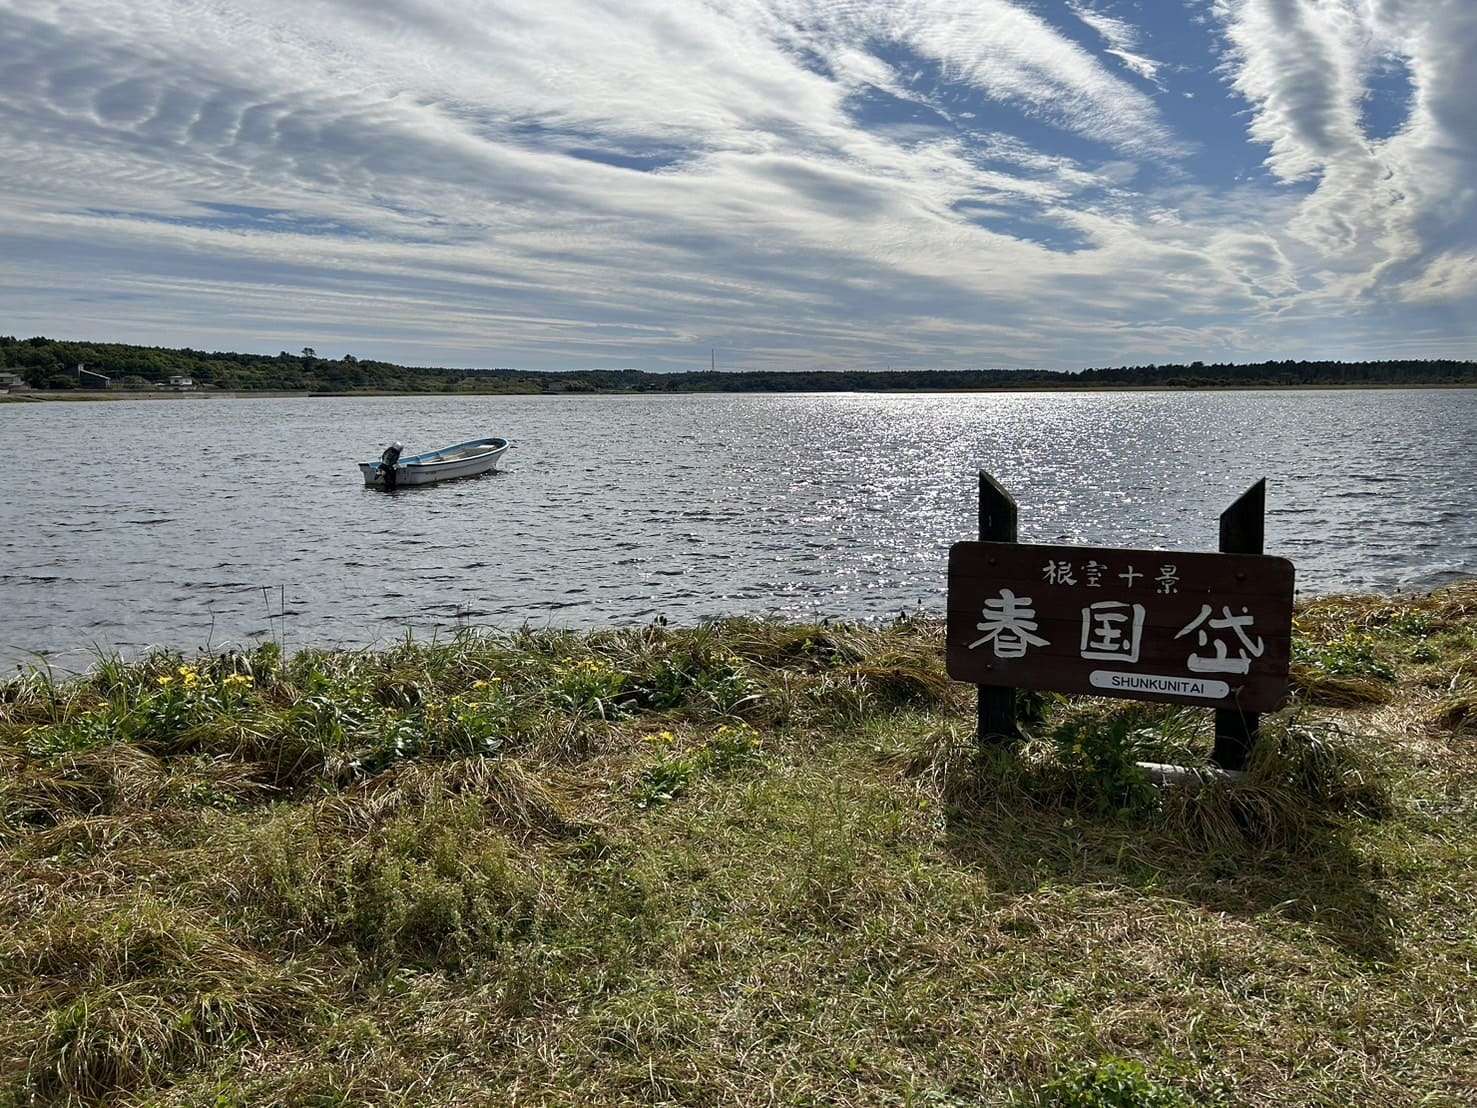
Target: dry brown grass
x=750 y=863
x=1457 y=713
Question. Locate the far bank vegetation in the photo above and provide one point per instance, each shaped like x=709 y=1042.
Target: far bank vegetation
x=52 y=364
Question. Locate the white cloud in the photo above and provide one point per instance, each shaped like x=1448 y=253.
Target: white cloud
x=1378 y=206
x=1122 y=37
x=1449 y=277
x=943 y=182
x=1003 y=49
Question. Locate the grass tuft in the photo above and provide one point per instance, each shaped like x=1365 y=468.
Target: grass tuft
x=429 y=888
x=1457 y=713
x=124 y=994
x=1324 y=767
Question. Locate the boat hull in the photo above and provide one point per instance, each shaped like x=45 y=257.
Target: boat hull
x=468 y=459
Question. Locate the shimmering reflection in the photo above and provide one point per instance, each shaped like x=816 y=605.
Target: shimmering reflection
x=129 y=524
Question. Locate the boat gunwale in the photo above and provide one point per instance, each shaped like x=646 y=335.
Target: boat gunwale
x=436 y=458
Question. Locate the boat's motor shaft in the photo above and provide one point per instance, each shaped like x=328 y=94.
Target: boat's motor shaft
x=388 y=460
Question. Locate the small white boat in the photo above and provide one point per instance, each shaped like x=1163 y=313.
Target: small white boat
x=465 y=459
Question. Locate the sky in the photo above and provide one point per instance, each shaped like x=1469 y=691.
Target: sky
x=794 y=184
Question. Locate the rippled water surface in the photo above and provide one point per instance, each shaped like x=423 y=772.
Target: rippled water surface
x=129 y=524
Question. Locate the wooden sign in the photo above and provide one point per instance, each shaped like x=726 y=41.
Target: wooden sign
x=1214 y=630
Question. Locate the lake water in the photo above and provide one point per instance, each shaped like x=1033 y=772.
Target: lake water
x=130 y=524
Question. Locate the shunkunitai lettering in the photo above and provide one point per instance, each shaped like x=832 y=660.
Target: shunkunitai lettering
x=1197 y=628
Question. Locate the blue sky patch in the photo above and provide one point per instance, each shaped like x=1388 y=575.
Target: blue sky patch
x=1387 y=103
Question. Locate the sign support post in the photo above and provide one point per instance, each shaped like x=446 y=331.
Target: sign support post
x=998 y=523
x=1243 y=531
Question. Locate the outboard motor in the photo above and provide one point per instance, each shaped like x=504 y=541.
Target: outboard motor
x=387 y=462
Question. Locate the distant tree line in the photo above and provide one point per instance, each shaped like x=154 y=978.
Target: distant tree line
x=51 y=363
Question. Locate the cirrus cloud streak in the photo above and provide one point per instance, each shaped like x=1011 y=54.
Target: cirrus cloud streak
x=797 y=182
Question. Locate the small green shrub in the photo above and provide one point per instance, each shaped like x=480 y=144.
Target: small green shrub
x=1424 y=652
x=1411 y=622
x=1109 y=1083
x=84 y=732
x=590 y=687
x=732 y=746
x=1353 y=655
x=435 y=729
x=1103 y=755
x=1343 y=672
x=705 y=680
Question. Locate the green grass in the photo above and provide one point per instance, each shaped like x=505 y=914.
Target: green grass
x=745 y=863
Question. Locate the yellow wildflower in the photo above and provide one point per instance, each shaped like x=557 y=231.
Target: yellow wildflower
x=234 y=679
x=190 y=675
x=164 y=682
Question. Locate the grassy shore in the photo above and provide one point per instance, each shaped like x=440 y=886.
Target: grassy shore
x=750 y=863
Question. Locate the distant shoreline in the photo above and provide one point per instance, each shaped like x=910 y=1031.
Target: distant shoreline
x=56 y=367
x=40 y=396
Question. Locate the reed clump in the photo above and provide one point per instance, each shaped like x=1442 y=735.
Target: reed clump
x=749 y=861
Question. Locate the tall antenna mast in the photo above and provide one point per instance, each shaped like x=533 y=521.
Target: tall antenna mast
x=713 y=360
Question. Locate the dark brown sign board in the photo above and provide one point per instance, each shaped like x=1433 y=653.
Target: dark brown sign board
x=1214 y=630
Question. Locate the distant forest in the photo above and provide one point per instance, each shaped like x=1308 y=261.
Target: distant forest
x=52 y=364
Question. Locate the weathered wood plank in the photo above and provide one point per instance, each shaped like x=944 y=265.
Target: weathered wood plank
x=1216 y=632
